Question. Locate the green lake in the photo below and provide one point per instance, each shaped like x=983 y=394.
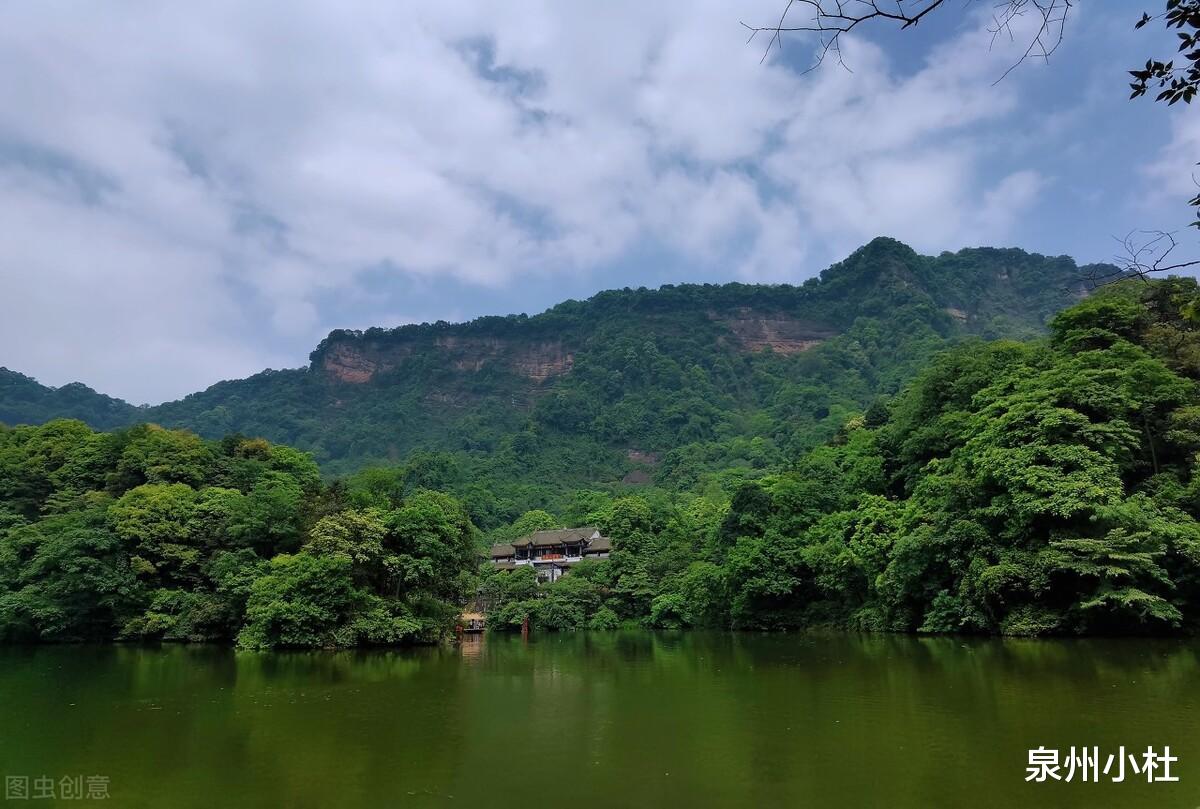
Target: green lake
x=600 y=720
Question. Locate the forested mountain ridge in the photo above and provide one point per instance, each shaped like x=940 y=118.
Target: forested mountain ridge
x=1036 y=487
x=24 y=401
x=666 y=383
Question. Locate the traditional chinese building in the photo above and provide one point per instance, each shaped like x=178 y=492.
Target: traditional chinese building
x=552 y=553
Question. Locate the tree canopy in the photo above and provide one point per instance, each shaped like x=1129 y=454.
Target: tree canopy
x=148 y=533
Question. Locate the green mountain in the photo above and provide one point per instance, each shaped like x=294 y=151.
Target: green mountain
x=24 y=401
x=687 y=386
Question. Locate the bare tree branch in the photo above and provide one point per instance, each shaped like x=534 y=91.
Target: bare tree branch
x=1143 y=253
x=829 y=19
x=1051 y=23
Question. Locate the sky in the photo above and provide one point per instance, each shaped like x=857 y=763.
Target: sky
x=196 y=192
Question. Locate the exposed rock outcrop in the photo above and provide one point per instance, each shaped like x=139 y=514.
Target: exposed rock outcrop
x=349 y=363
x=541 y=361
x=780 y=333
x=357 y=361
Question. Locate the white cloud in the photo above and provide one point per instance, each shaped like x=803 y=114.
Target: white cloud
x=167 y=176
x=1174 y=172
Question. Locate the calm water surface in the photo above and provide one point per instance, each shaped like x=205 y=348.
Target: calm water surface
x=592 y=720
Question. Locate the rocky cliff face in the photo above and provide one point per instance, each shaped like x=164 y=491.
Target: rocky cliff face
x=782 y=334
x=358 y=361
x=348 y=362
x=354 y=360
x=541 y=361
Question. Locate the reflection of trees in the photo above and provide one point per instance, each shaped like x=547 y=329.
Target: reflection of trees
x=730 y=717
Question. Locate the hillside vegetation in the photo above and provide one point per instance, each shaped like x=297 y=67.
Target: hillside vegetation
x=1024 y=488
x=1046 y=486
x=685 y=387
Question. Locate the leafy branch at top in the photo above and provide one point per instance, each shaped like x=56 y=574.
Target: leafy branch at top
x=1175 y=83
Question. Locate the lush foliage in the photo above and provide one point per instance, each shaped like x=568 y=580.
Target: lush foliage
x=1174 y=82
x=24 y=401
x=1017 y=488
x=1042 y=485
x=150 y=533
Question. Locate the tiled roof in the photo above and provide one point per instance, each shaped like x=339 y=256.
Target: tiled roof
x=556 y=537
x=502 y=550
x=599 y=545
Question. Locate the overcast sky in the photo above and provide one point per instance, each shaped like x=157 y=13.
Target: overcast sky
x=195 y=192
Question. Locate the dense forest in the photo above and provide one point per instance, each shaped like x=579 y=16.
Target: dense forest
x=147 y=533
x=684 y=387
x=1024 y=487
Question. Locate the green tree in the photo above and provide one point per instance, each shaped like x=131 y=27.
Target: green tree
x=64 y=578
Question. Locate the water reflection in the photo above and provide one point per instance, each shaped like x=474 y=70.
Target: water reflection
x=603 y=719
